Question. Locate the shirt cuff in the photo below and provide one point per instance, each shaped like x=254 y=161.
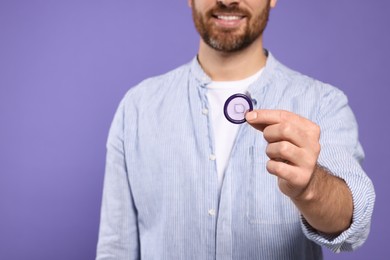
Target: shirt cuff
x=358 y=231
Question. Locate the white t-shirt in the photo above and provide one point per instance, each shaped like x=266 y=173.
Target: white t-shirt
x=224 y=131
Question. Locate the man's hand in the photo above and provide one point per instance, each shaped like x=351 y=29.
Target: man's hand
x=293 y=148
x=324 y=200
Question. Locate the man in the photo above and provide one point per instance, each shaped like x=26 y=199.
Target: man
x=182 y=182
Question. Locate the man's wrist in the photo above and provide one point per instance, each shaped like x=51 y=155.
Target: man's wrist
x=310 y=193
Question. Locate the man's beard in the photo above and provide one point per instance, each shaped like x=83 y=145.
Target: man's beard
x=229 y=40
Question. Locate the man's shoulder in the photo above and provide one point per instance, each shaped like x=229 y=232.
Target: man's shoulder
x=159 y=83
x=294 y=91
x=297 y=81
x=154 y=91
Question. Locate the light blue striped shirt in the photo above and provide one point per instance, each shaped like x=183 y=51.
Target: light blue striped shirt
x=160 y=197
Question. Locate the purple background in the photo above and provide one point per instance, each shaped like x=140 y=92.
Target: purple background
x=64 y=66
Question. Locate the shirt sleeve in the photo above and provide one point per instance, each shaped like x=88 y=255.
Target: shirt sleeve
x=342 y=154
x=118 y=233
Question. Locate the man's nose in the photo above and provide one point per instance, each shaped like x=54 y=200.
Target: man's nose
x=228 y=2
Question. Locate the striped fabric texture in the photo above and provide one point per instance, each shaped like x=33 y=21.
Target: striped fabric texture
x=160 y=196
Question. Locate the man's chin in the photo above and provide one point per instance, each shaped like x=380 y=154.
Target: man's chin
x=227 y=47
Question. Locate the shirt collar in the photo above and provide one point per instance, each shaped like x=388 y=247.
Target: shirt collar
x=255 y=90
x=199 y=74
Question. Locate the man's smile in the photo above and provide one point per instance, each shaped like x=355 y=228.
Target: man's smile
x=228 y=20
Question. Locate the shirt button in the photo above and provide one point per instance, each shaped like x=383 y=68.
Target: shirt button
x=205 y=111
x=212 y=212
x=212 y=157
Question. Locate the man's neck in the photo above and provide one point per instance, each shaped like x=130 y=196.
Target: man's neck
x=222 y=66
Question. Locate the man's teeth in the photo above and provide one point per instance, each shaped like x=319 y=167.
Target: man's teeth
x=228 y=18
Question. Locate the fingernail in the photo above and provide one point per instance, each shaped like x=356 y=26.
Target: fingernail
x=251 y=116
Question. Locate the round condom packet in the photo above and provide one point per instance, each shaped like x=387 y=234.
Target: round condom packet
x=236 y=107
